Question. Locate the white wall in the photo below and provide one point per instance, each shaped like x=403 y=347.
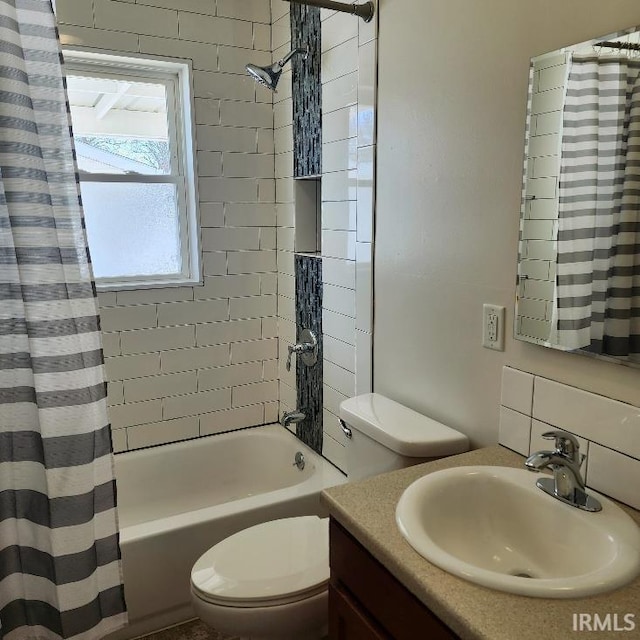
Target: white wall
x=451 y=116
x=190 y=361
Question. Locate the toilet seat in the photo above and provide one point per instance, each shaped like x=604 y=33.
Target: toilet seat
x=273 y=563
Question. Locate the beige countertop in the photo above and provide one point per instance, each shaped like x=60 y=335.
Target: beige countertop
x=367 y=510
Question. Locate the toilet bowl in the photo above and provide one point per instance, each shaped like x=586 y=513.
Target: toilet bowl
x=270 y=581
x=267 y=582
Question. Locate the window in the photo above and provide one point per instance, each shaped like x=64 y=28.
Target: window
x=133 y=128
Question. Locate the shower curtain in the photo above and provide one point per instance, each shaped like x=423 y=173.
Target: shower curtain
x=598 y=254
x=60 y=571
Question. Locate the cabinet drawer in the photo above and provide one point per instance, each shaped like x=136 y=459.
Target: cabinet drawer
x=396 y=610
x=347 y=621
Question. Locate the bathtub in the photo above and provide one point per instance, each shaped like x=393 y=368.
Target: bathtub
x=176 y=501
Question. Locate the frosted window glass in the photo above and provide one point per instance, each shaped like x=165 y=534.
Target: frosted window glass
x=133 y=229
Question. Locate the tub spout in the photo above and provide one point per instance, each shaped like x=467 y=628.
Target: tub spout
x=292 y=417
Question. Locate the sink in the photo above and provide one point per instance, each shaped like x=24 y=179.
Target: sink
x=494 y=527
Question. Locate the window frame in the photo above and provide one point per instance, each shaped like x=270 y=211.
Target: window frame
x=177 y=77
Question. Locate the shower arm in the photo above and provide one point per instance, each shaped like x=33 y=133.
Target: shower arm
x=364 y=11
x=280 y=64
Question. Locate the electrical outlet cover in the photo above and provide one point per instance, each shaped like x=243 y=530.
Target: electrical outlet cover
x=493 y=327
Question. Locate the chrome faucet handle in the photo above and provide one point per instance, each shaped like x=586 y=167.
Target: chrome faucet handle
x=295 y=348
x=307 y=348
x=566 y=444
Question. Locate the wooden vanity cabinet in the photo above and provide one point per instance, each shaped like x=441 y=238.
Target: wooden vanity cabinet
x=366 y=602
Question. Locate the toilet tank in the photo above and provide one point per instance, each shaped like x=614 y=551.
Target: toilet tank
x=386 y=435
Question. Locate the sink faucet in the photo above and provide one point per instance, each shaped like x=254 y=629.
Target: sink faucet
x=567 y=484
x=292 y=417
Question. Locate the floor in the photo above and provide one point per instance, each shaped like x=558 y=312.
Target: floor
x=194 y=630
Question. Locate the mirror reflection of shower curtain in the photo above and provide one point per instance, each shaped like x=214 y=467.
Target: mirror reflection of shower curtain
x=597 y=302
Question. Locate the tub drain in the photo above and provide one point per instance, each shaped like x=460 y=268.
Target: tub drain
x=299 y=461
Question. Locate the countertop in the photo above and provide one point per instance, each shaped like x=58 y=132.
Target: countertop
x=367 y=510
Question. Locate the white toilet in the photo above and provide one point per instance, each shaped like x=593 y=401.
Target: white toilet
x=269 y=582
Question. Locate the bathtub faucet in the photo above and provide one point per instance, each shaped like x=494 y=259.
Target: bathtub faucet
x=292 y=417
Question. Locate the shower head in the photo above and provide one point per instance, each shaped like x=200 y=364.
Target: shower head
x=269 y=76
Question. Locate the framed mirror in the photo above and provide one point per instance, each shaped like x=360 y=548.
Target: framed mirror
x=578 y=283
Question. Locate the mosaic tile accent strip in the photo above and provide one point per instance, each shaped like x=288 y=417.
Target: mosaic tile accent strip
x=307 y=92
x=309 y=316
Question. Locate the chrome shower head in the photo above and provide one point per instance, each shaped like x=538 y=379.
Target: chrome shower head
x=269 y=76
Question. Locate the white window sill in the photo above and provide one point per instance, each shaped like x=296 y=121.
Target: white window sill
x=136 y=286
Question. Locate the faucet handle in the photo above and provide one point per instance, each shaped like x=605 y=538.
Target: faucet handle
x=566 y=444
x=288 y=365
x=296 y=348
x=307 y=348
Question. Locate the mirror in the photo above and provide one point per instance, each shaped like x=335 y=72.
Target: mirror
x=579 y=253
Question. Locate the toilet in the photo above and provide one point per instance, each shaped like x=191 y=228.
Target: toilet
x=269 y=582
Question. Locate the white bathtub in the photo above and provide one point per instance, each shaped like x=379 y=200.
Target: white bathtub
x=178 y=500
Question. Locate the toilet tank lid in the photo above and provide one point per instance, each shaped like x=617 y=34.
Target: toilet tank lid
x=401 y=429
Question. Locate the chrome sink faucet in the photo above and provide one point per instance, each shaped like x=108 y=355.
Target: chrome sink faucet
x=567 y=484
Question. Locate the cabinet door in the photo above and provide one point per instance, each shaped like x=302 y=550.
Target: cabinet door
x=359 y=577
x=347 y=621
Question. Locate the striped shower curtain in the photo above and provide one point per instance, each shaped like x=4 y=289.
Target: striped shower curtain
x=60 y=571
x=598 y=255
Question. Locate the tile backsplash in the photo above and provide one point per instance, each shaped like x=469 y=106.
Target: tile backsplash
x=608 y=430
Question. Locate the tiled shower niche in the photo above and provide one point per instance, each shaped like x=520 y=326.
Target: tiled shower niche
x=307 y=131
x=307 y=195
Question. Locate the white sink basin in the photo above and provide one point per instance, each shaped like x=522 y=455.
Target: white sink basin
x=494 y=527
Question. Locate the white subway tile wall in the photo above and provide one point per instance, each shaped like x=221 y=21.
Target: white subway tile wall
x=184 y=362
x=190 y=361
x=515 y=430
x=517 y=390
x=349 y=58
x=539 y=223
x=285 y=206
x=349 y=50
x=608 y=430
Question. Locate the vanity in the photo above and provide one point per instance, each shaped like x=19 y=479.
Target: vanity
x=381 y=588
x=365 y=598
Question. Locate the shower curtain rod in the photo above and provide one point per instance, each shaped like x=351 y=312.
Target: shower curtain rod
x=632 y=46
x=364 y=11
